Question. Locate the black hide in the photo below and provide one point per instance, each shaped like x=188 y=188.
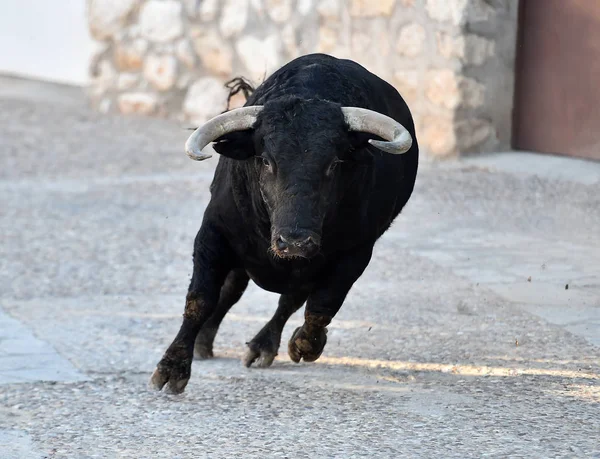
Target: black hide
x=297 y=204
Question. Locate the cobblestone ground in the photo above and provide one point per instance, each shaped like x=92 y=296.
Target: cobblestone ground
x=461 y=339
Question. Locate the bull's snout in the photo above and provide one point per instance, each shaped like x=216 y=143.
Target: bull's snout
x=296 y=243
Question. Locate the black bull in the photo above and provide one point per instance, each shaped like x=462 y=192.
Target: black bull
x=299 y=198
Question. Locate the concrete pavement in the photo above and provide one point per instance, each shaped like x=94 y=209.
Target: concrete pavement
x=460 y=340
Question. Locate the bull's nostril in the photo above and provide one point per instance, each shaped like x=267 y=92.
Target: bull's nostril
x=305 y=242
x=281 y=243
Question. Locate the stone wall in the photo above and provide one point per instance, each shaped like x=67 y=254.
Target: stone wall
x=452 y=60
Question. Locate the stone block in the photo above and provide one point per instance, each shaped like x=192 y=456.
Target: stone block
x=260 y=57
x=289 y=40
x=185 y=53
x=442 y=88
x=473 y=132
x=215 y=53
x=411 y=39
x=233 y=17
x=329 y=9
x=471 y=49
x=129 y=56
x=127 y=81
x=407 y=82
x=328 y=38
x=106 y=18
x=447 y=89
x=453 y=11
x=161 y=20
x=208 y=10
x=304 y=6
x=371 y=8
x=279 y=11
x=206 y=98
x=161 y=71
x=438 y=136
x=137 y=102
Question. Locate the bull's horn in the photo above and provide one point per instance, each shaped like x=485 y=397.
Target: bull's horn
x=237 y=119
x=398 y=138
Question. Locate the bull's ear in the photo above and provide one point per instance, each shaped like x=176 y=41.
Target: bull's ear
x=236 y=145
x=360 y=148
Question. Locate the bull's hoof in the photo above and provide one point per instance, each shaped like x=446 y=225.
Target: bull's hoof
x=173 y=371
x=307 y=347
x=262 y=350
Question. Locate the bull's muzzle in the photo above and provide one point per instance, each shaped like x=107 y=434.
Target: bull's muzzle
x=295 y=243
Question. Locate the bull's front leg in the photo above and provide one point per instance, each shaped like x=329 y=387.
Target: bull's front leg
x=212 y=262
x=308 y=341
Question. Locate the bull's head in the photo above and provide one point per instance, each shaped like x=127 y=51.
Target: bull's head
x=295 y=146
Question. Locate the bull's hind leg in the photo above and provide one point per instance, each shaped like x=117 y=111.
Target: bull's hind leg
x=231 y=292
x=263 y=347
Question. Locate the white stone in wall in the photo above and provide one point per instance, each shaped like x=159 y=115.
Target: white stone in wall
x=328 y=38
x=479 y=11
x=473 y=132
x=192 y=7
x=470 y=48
x=288 y=38
x=450 y=46
x=164 y=48
x=454 y=11
x=137 y=102
x=209 y=9
x=107 y=17
x=214 y=52
x=129 y=56
x=304 y=6
x=205 y=99
x=361 y=42
x=371 y=8
x=185 y=54
x=410 y=40
x=127 y=81
x=279 y=10
x=260 y=57
x=233 y=17
x=133 y=31
x=438 y=135
x=478 y=49
x=257 y=5
x=407 y=82
x=184 y=81
x=329 y=9
x=442 y=88
x=472 y=92
x=161 y=71
x=447 y=89
x=161 y=20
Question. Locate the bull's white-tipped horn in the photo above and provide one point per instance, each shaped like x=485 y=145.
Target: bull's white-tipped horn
x=238 y=119
x=397 y=136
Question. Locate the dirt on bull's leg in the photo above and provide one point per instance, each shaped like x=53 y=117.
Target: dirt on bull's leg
x=174 y=369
